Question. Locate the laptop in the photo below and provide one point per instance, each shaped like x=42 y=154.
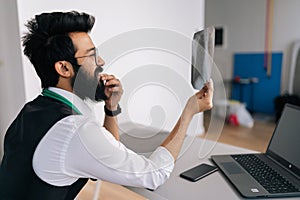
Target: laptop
x=275 y=173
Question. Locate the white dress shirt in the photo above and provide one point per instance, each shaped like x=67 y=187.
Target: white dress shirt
x=78 y=146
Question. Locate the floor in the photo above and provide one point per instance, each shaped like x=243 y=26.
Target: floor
x=255 y=138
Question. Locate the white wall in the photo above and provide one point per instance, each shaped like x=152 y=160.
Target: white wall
x=11 y=76
x=112 y=18
x=245 y=24
x=115 y=17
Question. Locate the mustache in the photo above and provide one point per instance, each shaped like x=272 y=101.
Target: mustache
x=98 y=70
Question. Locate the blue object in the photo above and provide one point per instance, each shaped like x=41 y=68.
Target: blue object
x=258 y=96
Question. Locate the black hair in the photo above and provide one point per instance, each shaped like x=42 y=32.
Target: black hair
x=48 y=41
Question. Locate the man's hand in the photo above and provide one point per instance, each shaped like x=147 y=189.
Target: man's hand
x=113 y=91
x=201 y=101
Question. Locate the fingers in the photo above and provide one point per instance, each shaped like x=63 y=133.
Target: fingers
x=202 y=93
x=209 y=85
x=107 y=78
x=113 y=89
x=206 y=90
x=110 y=80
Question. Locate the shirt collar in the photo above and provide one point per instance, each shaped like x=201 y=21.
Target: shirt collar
x=74 y=99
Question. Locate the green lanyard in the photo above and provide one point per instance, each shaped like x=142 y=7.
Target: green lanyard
x=53 y=95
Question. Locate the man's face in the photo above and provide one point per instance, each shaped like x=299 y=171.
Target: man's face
x=86 y=80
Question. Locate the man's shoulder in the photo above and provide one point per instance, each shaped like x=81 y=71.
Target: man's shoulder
x=44 y=102
x=49 y=106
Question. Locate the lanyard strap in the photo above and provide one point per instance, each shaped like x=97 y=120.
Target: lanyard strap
x=53 y=95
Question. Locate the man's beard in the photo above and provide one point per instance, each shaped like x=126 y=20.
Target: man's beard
x=89 y=87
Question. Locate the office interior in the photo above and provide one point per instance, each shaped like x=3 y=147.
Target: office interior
x=260 y=41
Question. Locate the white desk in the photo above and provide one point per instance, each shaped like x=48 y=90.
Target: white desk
x=214 y=186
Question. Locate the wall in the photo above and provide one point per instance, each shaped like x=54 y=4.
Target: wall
x=244 y=21
x=115 y=17
x=112 y=19
x=11 y=76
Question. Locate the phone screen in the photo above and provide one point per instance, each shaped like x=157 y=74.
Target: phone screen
x=198 y=172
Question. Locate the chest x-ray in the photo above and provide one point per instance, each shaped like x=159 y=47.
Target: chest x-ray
x=202 y=56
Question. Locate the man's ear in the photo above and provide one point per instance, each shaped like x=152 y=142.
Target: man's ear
x=64 y=69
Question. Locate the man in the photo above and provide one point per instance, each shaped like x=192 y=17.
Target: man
x=55 y=144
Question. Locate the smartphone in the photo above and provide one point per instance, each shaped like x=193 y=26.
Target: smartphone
x=198 y=172
x=100 y=94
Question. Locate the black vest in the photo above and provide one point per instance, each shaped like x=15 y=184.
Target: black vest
x=17 y=178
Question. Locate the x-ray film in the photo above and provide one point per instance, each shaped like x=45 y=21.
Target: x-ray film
x=202 y=56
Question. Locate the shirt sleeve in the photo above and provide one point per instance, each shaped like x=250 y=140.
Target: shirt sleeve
x=93 y=152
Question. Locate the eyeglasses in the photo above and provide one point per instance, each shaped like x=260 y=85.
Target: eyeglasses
x=96 y=56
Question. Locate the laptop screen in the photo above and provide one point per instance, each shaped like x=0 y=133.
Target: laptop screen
x=284 y=145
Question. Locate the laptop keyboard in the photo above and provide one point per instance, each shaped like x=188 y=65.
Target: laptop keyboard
x=272 y=181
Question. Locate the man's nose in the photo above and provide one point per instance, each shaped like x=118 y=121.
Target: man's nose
x=100 y=61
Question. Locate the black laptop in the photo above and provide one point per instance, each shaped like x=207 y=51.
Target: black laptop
x=275 y=173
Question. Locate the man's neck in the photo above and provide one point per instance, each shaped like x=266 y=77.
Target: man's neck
x=65 y=86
